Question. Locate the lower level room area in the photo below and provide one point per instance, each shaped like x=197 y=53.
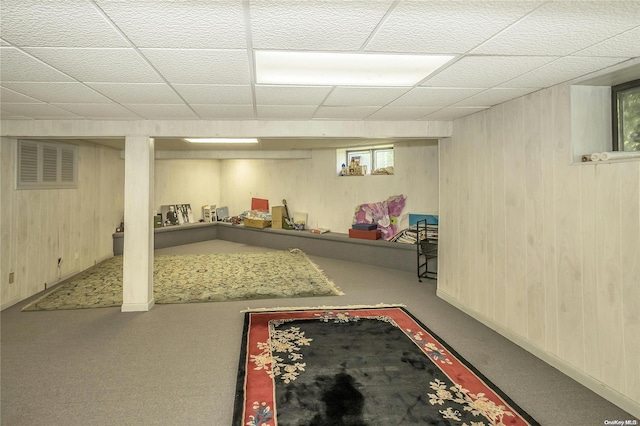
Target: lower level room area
x=178 y=363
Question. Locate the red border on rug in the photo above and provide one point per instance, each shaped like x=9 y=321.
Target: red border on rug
x=259 y=387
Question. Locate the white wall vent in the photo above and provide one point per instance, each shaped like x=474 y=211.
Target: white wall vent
x=46 y=165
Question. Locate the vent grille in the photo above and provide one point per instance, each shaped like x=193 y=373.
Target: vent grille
x=49 y=163
x=67 y=168
x=46 y=165
x=28 y=167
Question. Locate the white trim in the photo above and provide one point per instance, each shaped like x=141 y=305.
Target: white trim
x=579 y=376
x=137 y=307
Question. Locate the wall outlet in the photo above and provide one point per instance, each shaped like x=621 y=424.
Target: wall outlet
x=77 y=255
x=11 y=277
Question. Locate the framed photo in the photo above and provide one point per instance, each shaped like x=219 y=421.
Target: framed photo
x=169 y=215
x=185 y=214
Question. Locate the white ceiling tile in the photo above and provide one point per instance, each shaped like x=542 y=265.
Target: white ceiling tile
x=401 y=113
x=201 y=66
x=314 y=25
x=286 y=112
x=215 y=94
x=18 y=66
x=57 y=23
x=100 y=111
x=433 y=97
x=58 y=92
x=82 y=63
x=452 y=113
x=9 y=96
x=99 y=65
x=182 y=25
x=445 y=26
x=564 y=27
x=38 y=111
x=345 y=113
x=140 y=93
x=232 y=112
x=290 y=95
x=626 y=45
x=371 y=96
x=561 y=70
x=494 y=96
x=485 y=71
x=163 y=112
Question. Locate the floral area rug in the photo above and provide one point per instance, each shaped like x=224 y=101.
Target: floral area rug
x=197 y=278
x=370 y=366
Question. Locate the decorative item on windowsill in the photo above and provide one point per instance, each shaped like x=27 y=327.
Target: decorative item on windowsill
x=383 y=171
x=354 y=169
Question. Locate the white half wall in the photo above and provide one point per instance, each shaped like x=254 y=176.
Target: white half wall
x=544 y=251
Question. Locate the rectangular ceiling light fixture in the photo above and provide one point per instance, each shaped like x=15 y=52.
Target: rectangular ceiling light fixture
x=221 y=140
x=344 y=69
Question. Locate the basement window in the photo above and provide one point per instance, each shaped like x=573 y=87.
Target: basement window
x=625 y=113
x=360 y=161
x=46 y=165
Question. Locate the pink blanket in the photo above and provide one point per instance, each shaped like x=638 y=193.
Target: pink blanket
x=384 y=213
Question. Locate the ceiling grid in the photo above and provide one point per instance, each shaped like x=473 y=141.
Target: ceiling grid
x=195 y=60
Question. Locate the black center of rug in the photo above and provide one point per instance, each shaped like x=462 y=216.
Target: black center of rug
x=379 y=378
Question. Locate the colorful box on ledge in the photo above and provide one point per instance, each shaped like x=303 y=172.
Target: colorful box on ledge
x=375 y=234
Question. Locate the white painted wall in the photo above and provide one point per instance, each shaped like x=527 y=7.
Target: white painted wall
x=546 y=252
x=195 y=182
x=40 y=226
x=313 y=186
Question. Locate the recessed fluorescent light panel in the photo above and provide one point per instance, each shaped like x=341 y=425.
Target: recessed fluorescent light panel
x=221 y=140
x=344 y=69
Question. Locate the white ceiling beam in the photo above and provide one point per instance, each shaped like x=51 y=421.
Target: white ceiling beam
x=246 y=128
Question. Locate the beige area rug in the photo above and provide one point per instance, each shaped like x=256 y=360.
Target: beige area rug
x=196 y=278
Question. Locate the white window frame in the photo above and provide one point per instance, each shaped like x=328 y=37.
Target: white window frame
x=343 y=155
x=55 y=165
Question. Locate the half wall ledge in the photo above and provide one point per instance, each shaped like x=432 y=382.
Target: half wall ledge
x=332 y=245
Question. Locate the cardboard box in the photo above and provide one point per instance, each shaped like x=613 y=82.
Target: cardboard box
x=365 y=235
x=256 y=223
x=278 y=213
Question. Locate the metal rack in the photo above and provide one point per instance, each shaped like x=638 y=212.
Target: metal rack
x=427 y=248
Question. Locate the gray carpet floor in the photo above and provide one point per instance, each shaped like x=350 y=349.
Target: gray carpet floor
x=177 y=364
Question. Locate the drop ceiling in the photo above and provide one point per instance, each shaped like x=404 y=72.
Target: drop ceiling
x=194 y=60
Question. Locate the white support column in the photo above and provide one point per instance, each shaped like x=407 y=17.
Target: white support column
x=137 y=280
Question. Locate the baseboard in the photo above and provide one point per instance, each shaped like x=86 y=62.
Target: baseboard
x=579 y=376
x=103 y=258
x=137 y=307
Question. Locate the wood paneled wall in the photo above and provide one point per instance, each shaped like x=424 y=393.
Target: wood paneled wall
x=313 y=185
x=40 y=226
x=544 y=251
